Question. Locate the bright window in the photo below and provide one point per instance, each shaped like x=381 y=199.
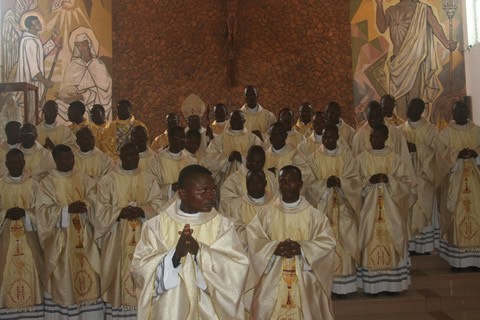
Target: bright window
x=472 y=8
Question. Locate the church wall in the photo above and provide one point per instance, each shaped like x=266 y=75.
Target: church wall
x=292 y=50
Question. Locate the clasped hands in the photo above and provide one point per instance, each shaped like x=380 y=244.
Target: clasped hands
x=131 y=213
x=379 y=178
x=467 y=154
x=288 y=249
x=333 y=181
x=15 y=213
x=185 y=244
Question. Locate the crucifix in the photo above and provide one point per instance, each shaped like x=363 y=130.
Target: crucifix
x=231 y=30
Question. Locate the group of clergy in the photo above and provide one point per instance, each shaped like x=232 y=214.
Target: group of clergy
x=249 y=216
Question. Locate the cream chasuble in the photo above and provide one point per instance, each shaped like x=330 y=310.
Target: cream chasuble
x=160 y=141
x=297 y=288
x=460 y=191
x=383 y=217
x=279 y=159
x=21 y=264
x=236 y=186
x=425 y=136
x=94 y=164
x=38 y=161
x=260 y=120
x=219 y=150
x=119 y=237
x=341 y=205
x=145 y=158
x=166 y=167
x=59 y=134
x=220 y=259
x=72 y=260
x=116 y=135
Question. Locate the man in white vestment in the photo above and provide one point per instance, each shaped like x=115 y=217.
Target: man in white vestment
x=125 y=198
x=383 y=236
x=335 y=189
x=32 y=53
x=21 y=264
x=423 y=144
x=66 y=214
x=189 y=262
x=460 y=192
x=292 y=251
x=257 y=119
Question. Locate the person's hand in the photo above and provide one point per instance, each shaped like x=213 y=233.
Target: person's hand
x=48 y=83
x=235 y=156
x=77 y=207
x=472 y=153
x=49 y=144
x=333 y=181
x=185 y=244
x=131 y=213
x=15 y=213
x=379 y=178
x=451 y=45
x=258 y=134
x=464 y=154
x=209 y=133
x=288 y=249
x=412 y=147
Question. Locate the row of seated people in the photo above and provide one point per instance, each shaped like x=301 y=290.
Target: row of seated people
x=391 y=200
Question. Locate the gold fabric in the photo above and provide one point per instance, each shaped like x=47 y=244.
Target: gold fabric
x=395 y=120
x=460 y=190
x=75 y=127
x=218 y=128
x=59 y=134
x=310 y=291
x=118 y=238
x=383 y=218
x=72 y=260
x=221 y=259
x=304 y=129
x=116 y=134
x=160 y=142
x=21 y=265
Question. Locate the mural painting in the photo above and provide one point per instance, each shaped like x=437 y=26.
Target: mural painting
x=64 y=47
x=408 y=49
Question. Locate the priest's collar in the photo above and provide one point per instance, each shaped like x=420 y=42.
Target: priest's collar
x=291 y=205
x=260 y=200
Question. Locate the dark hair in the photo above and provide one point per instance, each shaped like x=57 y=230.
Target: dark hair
x=194 y=134
x=255 y=149
x=331 y=127
x=50 y=104
x=416 y=103
x=78 y=105
x=294 y=169
x=59 y=149
x=124 y=103
x=189 y=171
x=11 y=125
x=29 y=20
x=97 y=106
x=382 y=128
x=171 y=131
x=83 y=129
x=14 y=152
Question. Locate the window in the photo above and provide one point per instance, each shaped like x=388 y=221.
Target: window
x=472 y=9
